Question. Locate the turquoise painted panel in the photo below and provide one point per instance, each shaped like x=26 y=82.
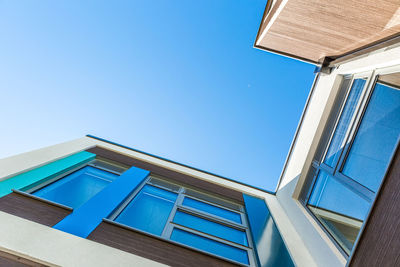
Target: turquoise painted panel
x=84 y=219
x=270 y=249
x=48 y=171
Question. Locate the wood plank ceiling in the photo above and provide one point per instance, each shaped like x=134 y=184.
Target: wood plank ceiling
x=314 y=29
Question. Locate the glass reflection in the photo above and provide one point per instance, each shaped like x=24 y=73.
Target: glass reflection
x=149 y=210
x=336 y=144
x=209 y=245
x=220 y=212
x=376 y=138
x=76 y=188
x=210 y=227
x=338 y=208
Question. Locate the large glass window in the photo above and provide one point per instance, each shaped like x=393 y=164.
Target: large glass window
x=190 y=217
x=365 y=136
x=78 y=186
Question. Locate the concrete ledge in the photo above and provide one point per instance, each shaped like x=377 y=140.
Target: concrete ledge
x=52 y=247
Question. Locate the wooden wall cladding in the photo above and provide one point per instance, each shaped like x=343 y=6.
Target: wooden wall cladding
x=32 y=209
x=379 y=244
x=152 y=248
x=170 y=174
x=9 y=260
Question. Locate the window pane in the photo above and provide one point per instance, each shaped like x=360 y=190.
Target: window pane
x=109 y=165
x=211 y=228
x=376 y=138
x=210 y=246
x=212 y=199
x=149 y=210
x=336 y=146
x=341 y=210
x=76 y=188
x=227 y=214
x=165 y=184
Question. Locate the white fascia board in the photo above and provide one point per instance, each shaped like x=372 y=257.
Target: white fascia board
x=17 y=164
x=182 y=169
x=272 y=20
x=52 y=247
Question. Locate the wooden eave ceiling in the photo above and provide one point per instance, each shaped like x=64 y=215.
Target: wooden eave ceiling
x=311 y=30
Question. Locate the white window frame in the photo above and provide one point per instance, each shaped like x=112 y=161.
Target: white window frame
x=317 y=162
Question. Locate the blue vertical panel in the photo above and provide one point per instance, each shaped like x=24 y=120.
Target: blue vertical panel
x=270 y=248
x=83 y=220
x=45 y=172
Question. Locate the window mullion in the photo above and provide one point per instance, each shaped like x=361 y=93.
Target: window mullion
x=354 y=121
x=168 y=226
x=124 y=204
x=210 y=217
x=219 y=239
x=356 y=187
x=361 y=108
x=337 y=119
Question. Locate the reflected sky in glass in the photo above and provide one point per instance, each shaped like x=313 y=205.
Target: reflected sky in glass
x=209 y=245
x=330 y=194
x=220 y=212
x=78 y=187
x=336 y=144
x=210 y=227
x=376 y=138
x=149 y=210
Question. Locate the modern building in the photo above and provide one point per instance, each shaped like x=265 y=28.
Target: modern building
x=92 y=202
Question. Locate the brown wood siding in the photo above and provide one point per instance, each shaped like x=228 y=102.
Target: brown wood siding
x=173 y=175
x=32 y=209
x=152 y=248
x=314 y=29
x=9 y=260
x=11 y=263
x=379 y=244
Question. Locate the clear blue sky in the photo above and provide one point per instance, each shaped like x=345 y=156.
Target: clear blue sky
x=179 y=79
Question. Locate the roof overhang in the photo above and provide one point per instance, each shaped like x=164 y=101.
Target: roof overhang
x=321 y=31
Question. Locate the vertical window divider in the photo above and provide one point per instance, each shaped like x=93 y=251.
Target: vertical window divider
x=341 y=108
x=125 y=203
x=355 y=123
x=349 y=132
x=169 y=226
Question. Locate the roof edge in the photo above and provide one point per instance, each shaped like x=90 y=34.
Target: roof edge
x=181 y=164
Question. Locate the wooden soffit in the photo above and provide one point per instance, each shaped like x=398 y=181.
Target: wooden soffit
x=311 y=30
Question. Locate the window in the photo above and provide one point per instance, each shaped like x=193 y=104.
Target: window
x=189 y=217
x=349 y=172
x=74 y=188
